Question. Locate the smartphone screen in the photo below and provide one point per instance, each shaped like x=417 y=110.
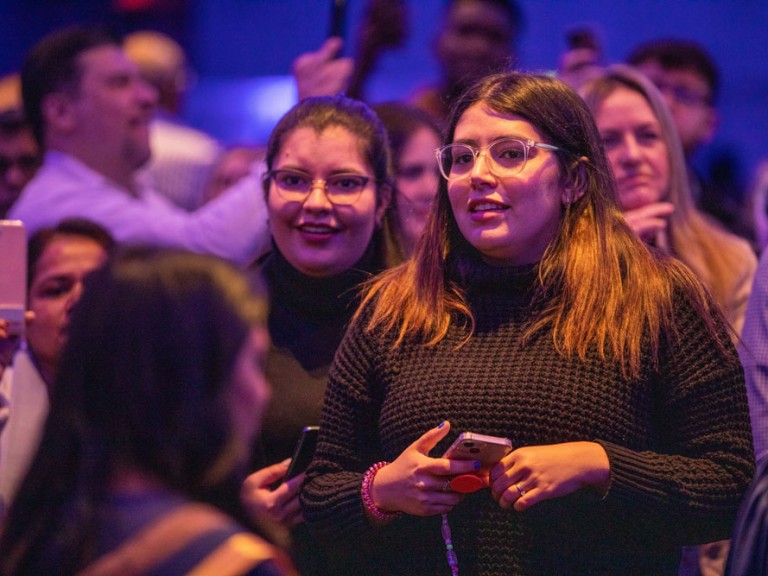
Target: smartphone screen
x=13 y=274
x=302 y=454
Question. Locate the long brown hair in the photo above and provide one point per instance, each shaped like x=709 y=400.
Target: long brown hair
x=599 y=287
x=715 y=255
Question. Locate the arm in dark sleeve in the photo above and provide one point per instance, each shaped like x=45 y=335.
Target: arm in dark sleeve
x=689 y=489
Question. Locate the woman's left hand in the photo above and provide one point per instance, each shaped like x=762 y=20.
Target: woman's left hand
x=528 y=475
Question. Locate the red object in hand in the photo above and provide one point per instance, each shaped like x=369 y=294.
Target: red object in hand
x=467 y=483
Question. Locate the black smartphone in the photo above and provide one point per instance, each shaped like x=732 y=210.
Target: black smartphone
x=302 y=454
x=338 y=18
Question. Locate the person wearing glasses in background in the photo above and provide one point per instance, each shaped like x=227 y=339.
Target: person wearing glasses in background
x=19 y=157
x=688 y=79
x=327 y=187
x=532 y=312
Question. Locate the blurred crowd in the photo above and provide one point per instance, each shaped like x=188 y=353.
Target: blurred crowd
x=519 y=255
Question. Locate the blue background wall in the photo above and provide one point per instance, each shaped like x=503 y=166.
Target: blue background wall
x=243 y=49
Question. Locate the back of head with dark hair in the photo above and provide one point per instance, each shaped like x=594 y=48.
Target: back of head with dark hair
x=145 y=383
x=677 y=54
x=52 y=66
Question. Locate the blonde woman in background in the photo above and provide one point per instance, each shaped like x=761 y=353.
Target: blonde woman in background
x=646 y=156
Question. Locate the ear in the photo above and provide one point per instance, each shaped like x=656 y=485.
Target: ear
x=383 y=198
x=576 y=181
x=58 y=112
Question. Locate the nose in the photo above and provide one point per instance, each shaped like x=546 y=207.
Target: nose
x=481 y=170
x=146 y=93
x=629 y=150
x=317 y=200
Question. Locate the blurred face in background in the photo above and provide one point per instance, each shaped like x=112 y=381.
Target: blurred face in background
x=107 y=118
x=635 y=147
x=317 y=236
x=476 y=39
x=416 y=182
x=19 y=160
x=689 y=98
x=57 y=283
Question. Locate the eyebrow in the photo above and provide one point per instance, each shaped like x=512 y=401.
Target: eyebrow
x=352 y=171
x=473 y=141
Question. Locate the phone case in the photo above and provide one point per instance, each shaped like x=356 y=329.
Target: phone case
x=302 y=454
x=471 y=446
x=13 y=274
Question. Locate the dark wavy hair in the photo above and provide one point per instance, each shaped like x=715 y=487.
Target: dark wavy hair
x=144 y=384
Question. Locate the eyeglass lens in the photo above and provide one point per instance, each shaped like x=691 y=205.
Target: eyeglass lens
x=506 y=155
x=683 y=94
x=343 y=189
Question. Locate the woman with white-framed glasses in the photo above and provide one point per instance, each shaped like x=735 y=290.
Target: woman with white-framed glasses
x=530 y=312
x=327 y=186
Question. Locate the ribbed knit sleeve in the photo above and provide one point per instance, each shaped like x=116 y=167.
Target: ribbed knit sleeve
x=689 y=488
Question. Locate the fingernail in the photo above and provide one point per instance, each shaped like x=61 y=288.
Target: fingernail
x=441 y=424
x=477 y=464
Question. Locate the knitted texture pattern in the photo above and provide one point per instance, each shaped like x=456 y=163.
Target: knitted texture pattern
x=678 y=441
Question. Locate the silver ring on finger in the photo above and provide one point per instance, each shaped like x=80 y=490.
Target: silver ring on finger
x=520 y=489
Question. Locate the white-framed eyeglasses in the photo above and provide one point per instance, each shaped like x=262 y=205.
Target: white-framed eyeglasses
x=505 y=157
x=295 y=186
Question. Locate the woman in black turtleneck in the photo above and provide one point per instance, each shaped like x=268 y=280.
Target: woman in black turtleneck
x=327 y=187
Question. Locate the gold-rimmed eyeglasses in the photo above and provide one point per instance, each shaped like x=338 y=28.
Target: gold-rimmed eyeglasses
x=340 y=189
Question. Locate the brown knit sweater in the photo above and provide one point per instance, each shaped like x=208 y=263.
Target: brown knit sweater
x=678 y=441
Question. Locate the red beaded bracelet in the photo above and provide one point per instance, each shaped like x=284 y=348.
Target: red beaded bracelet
x=365 y=492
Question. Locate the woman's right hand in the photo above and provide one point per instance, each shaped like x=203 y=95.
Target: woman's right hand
x=281 y=505
x=415 y=483
x=650 y=222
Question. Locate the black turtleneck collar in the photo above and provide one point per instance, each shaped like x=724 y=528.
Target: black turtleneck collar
x=475 y=275
x=308 y=315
